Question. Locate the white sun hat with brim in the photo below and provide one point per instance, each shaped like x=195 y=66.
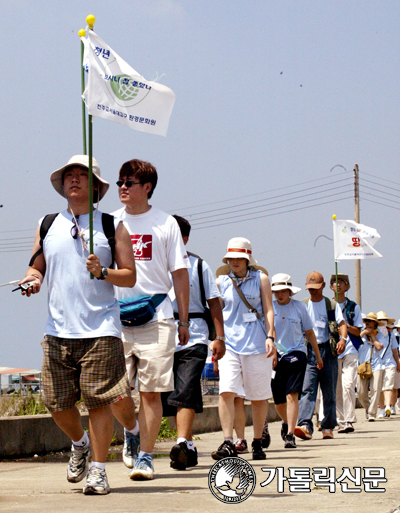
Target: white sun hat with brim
x=396 y=325
x=282 y=281
x=239 y=247
x=56 y=177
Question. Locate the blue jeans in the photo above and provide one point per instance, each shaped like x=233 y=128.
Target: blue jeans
x=327 y=378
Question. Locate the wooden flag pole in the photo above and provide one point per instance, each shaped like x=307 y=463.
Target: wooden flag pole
x=336 y=266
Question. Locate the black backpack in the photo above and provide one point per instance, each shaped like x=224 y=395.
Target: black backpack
x=108 y=228
x=206 y=315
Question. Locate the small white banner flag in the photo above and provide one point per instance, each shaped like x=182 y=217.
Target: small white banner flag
x=352 y=240
x=117 y=92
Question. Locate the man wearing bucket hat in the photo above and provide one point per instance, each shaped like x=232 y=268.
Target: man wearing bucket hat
x=323 y=312
x=370 y=351
x=292 y=322
x=157 y=245
x=83 y=352
x=348 y=360
x=391 y=366
x=246 y=368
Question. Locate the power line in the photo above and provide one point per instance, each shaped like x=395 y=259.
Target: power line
x=255 y=194
x=279 y=197
x=269 y=202
x=379 y=178
x=381 y=197
x=274 y=214
x=384 y=204
x=379 y=185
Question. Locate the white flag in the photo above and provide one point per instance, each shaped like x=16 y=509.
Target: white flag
x=354 y=241
x=117 y=92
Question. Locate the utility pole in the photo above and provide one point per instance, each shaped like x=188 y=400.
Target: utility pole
x=357 y=220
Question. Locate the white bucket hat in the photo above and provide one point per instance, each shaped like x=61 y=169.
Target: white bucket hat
x=397 y=325
x=282 y=281
x=82 y=161
x=239 y=247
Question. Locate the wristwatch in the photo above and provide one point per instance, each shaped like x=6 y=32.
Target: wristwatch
x=185 y=324
x=272 y=338
x=220 y=338
x=104 y=273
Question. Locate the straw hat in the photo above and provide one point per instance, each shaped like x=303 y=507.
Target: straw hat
x=239 y=247
x=383 y=317
x=282 y=281
x=225 y=269
x=372 y=317
x=82 y=161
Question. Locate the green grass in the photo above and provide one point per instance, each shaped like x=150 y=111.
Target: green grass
x=17 y=404
x=166 y=431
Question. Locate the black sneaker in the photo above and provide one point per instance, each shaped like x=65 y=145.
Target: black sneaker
x=290 y=442
x=192 y=458
x=225 y=450
x=284 y=430
x=258 y=453
x=266 y=437
x=179 y=456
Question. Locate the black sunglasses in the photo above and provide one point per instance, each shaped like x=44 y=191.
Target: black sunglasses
x=75 y=228
x=127 y=183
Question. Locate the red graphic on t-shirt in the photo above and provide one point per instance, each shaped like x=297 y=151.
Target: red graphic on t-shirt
x=142 y=246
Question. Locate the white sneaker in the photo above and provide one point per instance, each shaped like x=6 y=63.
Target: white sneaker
x=143 y=469
x=78 y=464
x=382 y=414
x=393 y=410
x=96 y=482
x=387 y=411
x=371 y=418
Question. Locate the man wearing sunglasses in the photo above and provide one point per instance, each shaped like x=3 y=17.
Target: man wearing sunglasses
x=83 y=352
x=149 y=348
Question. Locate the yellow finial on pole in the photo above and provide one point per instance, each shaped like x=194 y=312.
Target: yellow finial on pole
x=334 y=216
x=82 y=33
x=90 y=21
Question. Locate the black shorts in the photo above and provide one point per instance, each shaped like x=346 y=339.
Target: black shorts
x=188 y=366
x=289 y=376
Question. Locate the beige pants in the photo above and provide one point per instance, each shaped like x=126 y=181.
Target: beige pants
x=371 y=402
x=346 y=389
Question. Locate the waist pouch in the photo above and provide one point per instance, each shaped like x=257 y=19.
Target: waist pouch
x=139 y=310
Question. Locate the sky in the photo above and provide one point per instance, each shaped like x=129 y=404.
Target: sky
x=275 y=104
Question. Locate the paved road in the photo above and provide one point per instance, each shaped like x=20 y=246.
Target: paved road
x=37 y=486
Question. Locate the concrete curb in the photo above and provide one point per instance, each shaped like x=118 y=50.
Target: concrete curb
x=38 y=434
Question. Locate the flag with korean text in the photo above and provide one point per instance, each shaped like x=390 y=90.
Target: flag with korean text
x=352 y=240
x=117 y=92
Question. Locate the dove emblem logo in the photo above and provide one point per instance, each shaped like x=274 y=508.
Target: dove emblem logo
x=232 y=480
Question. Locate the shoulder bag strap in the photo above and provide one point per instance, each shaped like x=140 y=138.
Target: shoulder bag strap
x=241 y=295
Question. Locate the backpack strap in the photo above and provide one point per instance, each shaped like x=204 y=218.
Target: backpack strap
x=48 y=220
x=109 y=231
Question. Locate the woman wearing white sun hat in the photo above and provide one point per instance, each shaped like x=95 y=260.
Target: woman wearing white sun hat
x=246 y=368
x=291 y=321
x=391 y=366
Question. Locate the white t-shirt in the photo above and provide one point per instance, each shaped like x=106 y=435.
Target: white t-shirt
x=198 y=327
x=158 y=248
x=290 y=321
x=319 y=317
x=78 y=306
x=357 y=323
